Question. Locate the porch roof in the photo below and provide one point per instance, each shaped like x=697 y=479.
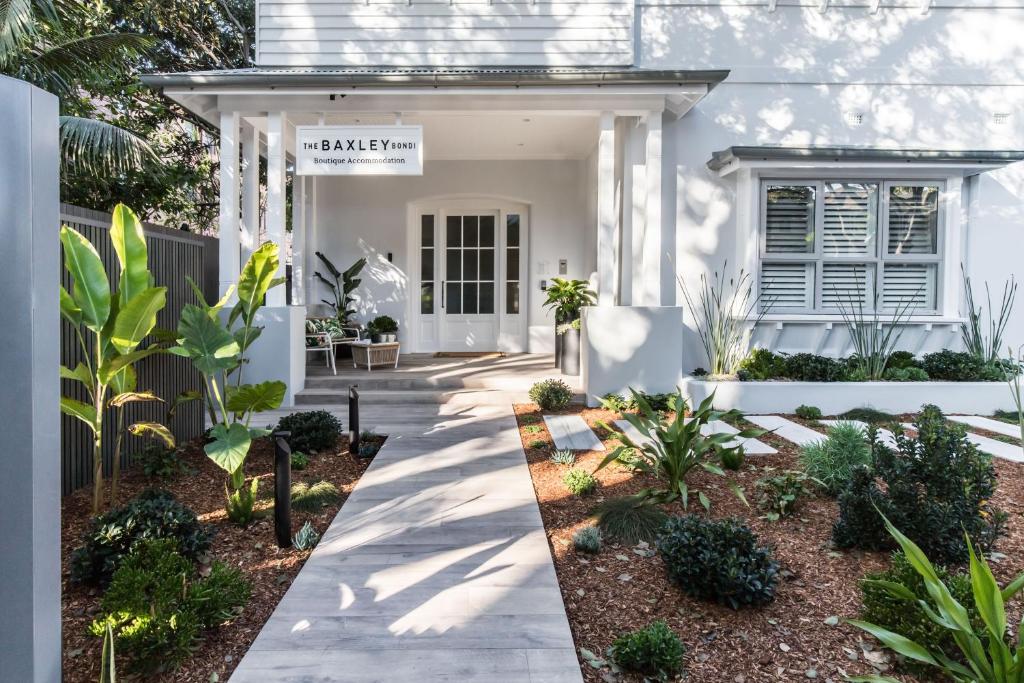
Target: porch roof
x=727 y=159
x=476 y=77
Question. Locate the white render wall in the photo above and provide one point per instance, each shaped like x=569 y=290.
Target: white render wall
x=366 y=216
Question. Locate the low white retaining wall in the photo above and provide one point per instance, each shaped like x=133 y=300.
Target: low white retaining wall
x=833 y=398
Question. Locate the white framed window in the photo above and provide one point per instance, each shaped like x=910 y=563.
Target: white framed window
x=827 y=244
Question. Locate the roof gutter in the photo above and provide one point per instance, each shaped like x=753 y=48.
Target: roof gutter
x=723 y=159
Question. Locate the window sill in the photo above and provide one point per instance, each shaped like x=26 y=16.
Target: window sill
x=835 y=318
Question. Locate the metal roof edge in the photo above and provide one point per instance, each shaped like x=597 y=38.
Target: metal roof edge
x=723 y=158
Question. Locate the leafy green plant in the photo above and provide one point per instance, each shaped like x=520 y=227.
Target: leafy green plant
x=721 y=310
x=655 y=651
x=673 y=446
x=762 y=364
x=905 y=375
x=831 y=461
x=341 y=284
x=537 y=444
x=217 y=349
x=311 y=431
x=906 y=616
x=563 y=456
x=299 y=460
x=718 y=560
x=808 y=367
x=808 y=412
x=160 y=462
x=587 y=540
x=110 y=329
x=936 y=486
x=873 y=341
x=986 y=345
x=383 y=324
x=629 y=519
x=533 y=429
x=660 y=403
x=579 y=482
x=306 y=538
x=959 y=366
x=868 y=415
x=992 y=657
x=551 y=394
x=617 y=403
x=158 y=608
x=313 y=497
x=567 y=297
x=781 y=494
x=153 y=514
x=902 y=360
x=241 y=502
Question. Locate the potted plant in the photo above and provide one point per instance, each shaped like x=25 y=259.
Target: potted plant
x=383 y=328
x=567 y=297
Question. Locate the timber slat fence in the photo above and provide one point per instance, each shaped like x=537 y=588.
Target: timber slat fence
x=173 y=255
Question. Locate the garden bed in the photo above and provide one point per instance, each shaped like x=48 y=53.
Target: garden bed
x=252 y=550
x=797 y=637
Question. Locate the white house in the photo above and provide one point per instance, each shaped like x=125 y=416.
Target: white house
x=473 y=149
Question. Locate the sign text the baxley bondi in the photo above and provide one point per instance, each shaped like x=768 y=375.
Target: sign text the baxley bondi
x=359 y=150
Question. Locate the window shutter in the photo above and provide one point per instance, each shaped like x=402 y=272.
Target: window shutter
x=913 y=219
x=847 y=285
x=789 y=219
x=906 y=282
x=850 y=220
x=786 y=285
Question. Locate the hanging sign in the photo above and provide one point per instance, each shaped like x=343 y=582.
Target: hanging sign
x=359 y=150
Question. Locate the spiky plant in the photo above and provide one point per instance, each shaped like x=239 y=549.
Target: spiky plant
x=874 y=340
x=629 y=519
x=313 y=497
x=587 y=540
x=306 y=538
x=986 y=347
x=563 y=456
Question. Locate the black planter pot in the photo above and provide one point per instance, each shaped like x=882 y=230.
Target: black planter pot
x=558 y=343
x=570 y=352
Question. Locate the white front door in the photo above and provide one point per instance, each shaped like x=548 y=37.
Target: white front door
x=469 y=294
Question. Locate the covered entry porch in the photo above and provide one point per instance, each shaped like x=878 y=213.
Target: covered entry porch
x=527 y=174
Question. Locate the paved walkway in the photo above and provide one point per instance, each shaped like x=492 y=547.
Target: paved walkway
x=437 y=567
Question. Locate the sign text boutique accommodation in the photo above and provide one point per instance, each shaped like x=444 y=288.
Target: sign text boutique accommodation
x=472 y=149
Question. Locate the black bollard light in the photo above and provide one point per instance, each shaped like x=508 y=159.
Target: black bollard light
x=353 y=420
x=282 y=489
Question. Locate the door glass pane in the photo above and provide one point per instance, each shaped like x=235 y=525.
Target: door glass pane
x=470 y=238
x=469 y=297
x=486 y=231
x=513 y=264
x=512 y=224
x=453 y=269
x=426 y=264
x=469 y=269
x=454 y=231
x=427 y=298
x=427 y=230
x=486 y=264
x=512 y=298
x=453 y=298
x=486 y=297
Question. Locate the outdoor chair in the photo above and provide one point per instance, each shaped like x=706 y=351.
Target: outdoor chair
x=321 y=342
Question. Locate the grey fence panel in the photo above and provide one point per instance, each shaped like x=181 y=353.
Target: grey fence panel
x=173 y=255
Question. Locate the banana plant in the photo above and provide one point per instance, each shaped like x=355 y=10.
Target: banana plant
x=344 y=283
x=216 y=341
x=110 y=328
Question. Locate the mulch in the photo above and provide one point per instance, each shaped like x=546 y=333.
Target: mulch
x=795 y=638
x=252 y=549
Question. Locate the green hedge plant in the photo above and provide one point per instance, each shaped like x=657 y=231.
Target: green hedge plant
x=579 y=481
x=654 y=651
x=311 y=431
x=551 y=394
x=833 y=459
x=808 y=412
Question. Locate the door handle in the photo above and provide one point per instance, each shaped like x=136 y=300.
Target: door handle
x=442 y=294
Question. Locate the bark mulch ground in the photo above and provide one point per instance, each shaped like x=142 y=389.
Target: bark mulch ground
x=253 y=550
x=797 y=637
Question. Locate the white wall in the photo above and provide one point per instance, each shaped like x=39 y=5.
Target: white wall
x=366 y=216
x=347 y=33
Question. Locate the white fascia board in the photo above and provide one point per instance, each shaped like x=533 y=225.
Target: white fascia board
x=915 y=168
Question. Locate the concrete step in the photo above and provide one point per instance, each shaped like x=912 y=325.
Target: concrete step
x=308 y=397
x=387 y=382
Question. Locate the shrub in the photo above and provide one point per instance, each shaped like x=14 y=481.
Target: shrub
x=615 y=403
x=551 y=394
x=579 y=482
x=306 y=538
x=832 y=460
x=953 y=366
x=383 y=324
x=781 y=494
x=587 y=540
x=653 y=651
x=533 y=429
x=808 y=367
x=762 y=364
x=629 y=520
x=868 y=415
x=718 y=560
x=808 y=412
x=153 y=514
x=699 y=372
x=311 y=430
x=907 y=617
x=299 y=460
x=910 y=374
x=937 y=487
x=161 y=462
x=313 y=497
x=659 y=403
x=537 y=443
x=563 y=456
x=241 y=503
x=158 y=608
x=902 y=360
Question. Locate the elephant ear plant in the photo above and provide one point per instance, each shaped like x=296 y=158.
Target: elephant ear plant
x=216 y=344
x=110 y=328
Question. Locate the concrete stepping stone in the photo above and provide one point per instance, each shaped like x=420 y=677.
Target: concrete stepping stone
x=750 y=446
x=787 y=429
x=887 y=437
x=999 y=449
x=988 y=424
x=573 y=433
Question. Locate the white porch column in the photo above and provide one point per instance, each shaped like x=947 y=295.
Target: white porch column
x=311 y=242
x=650 y=294
x=229 y=188
x=250 y=190
x=275 y=197
x=607 y=221
x=299 y=218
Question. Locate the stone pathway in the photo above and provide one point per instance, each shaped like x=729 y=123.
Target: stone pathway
x=437 y=567
x=786 y=429
x=571 y=432
x=750 y=446
x=988 y=424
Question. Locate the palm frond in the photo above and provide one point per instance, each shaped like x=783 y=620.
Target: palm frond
x=19 y=21
x=63 y=66
x=93 y=146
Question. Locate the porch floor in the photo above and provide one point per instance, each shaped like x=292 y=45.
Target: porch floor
x=437 y=567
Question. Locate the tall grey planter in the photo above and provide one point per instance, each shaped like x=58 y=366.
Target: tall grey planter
x=570 y=352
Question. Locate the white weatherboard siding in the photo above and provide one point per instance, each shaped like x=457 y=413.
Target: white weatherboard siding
x=455 y=33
